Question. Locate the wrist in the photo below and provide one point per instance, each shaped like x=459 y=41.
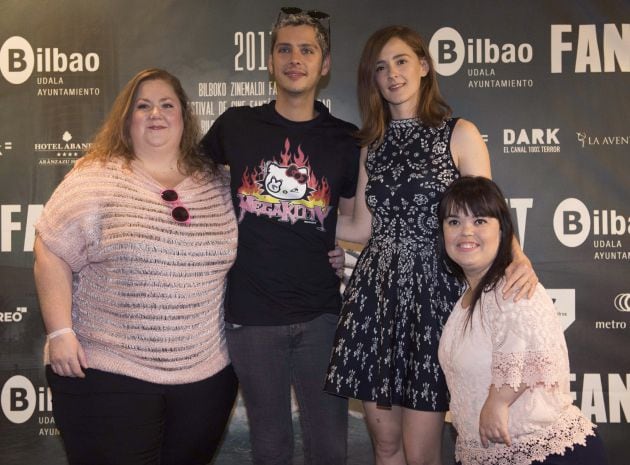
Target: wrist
x=60 y=332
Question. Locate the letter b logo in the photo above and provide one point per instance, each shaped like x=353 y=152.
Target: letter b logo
x=571 y=222
x=17 y=60
x=18 y=399
x=447 y=49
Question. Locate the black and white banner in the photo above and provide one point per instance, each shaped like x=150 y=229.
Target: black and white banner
x=547 y=83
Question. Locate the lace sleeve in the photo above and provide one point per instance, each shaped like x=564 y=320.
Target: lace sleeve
x=530 y=368
x=528 y=342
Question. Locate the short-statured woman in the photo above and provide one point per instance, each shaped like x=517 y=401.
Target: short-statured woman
x=506 y=363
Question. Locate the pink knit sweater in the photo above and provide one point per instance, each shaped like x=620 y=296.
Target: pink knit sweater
x=147 y=298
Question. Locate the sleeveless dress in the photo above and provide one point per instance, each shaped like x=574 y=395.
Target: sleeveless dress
x=400 y=295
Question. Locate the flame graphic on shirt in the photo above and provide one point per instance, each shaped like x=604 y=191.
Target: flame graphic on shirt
x=257 y=198
x=252 y=181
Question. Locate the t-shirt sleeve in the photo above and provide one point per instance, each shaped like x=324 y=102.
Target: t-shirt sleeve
x=349 y=187
x=528 y=341
x=69 y=218
x=211 y=144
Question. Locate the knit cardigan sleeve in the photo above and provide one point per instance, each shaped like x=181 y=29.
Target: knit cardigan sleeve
x=70 y=218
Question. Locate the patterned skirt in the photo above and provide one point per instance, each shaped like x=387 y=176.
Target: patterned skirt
x=386 y=345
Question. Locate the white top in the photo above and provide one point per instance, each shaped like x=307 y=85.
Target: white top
x=511 y=343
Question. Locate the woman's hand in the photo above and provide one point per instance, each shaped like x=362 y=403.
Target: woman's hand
x=493 y=419
x=493 y=422
x=67 y=357
x=520 y=277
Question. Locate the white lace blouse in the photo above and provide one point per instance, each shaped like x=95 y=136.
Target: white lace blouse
x=511 y=343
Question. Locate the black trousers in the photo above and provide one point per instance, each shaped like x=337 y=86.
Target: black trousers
x=109 y=419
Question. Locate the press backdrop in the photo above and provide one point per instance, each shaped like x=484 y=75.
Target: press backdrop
x=547 y=83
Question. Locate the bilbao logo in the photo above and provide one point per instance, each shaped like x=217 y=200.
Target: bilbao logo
x=573 y=223
x=18 y=60
x=18 y=399
x=622 y=302
x=449 y=51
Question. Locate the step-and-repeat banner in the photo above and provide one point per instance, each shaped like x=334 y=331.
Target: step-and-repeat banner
x=547 y=83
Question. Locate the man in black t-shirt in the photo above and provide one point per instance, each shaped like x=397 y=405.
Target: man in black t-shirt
x=292 y=165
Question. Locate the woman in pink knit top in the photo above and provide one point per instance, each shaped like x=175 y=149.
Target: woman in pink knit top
x=131 y=257
x=506 y=363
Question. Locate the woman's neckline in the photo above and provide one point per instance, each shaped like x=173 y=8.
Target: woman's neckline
x=163 y=182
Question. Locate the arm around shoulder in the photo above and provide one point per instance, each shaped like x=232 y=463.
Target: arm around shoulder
x=470 y=153
x=472 y=159
x=521 y=278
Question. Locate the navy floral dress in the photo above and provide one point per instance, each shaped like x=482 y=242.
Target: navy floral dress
x=399 y=296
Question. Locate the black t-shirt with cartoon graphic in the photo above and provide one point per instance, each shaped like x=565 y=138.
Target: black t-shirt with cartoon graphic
x=286 y=180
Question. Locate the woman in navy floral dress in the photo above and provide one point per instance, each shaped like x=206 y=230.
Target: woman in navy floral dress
x=400 y=296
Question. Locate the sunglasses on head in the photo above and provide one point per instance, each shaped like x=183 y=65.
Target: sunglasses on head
x=319 y=16
x=179 y=212
x=315 y=14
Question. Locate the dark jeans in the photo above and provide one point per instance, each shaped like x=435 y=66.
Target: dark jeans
x=268 y=360
x=109 y=419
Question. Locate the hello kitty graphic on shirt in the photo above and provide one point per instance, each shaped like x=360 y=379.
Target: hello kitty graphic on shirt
x=287 y=182
x=285 y=189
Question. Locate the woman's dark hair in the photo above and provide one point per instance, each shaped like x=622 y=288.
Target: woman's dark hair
x=478 y=196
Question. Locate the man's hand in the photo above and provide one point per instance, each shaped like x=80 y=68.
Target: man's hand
x=337 y=259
